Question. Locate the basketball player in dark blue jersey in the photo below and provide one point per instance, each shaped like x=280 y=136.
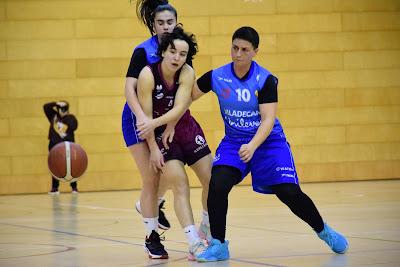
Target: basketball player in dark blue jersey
x=160 y=17
x=254 y=142
x=164 y=100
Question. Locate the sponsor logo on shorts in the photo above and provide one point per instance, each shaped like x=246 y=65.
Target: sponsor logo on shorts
x=201 y=142
x=217 y=157
x=287 y=175
x=284 y=169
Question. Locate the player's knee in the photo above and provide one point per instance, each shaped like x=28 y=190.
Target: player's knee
x=287 y=193
x=223 y=178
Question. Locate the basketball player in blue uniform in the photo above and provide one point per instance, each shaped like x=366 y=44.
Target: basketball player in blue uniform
x=160 y=17
x=254 y=142
x=163 y=100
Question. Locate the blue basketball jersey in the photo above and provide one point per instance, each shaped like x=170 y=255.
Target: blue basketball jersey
x=238 y=100
x=151 y=47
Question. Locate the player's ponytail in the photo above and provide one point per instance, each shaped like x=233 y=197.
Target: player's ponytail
x=146 y=11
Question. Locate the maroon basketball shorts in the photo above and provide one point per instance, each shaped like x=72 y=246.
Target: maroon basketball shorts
x=189 y=143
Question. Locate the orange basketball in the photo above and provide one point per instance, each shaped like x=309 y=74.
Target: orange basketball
x=67 y=161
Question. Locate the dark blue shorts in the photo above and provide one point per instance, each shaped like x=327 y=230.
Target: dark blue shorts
x=129 y=129
x=272 y=162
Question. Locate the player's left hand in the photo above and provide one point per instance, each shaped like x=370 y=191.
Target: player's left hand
x=145 y=128
x=246 y=152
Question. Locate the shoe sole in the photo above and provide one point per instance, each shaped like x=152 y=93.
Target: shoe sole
x=152 y=256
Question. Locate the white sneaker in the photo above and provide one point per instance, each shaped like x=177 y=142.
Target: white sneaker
x=54 y=192
x=195 y=250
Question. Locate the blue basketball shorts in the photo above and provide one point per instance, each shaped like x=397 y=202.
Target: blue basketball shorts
x=272 y=162
x=129 y=129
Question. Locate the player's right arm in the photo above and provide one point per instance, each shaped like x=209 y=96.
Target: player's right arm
x=202 y=86
x=50 y=109
x=145 y=88
x=138 y=62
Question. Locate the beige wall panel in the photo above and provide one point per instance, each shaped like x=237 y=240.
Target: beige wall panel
x=223 y=7
x=344 y=171
x=373 y=133
x=346 y=41
x=22 y=146
x=102 y=105
x=340 y=79
x=3 y=51
x=40 y=9
x=4 y=127
x=218 y=61
x=99 y=124
x=312 y=98
x=366 y=5
x=202 y=64
x=372 y=59
x=371 y=21
x=102 y=143
x=2 y=10
x=41 y=49
x=69 y=49
x=5 y=166
x=29 y=127
x=199 y=26
x=277 y=23
x=339 y=116
x=203 y=104
x=31 y=29
x=116 y=180
x=304 y=6
x=25 y=165
x=27 y=108
x=61 y=88
x=209 y=120
x=27 y=184
x=4 y=89
x=315 y=135
x=37 y=69
x=346 y=152
x=301 y=61
x=372 y=96
x=105 y=162
x=111 y=28
x=221 y=44
x=107 y=48
x=87 y=68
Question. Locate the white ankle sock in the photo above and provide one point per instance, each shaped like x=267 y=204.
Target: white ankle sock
x=204 y=218
x=191 y=234
x=151 y=224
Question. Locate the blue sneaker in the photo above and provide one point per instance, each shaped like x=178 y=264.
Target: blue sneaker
x=216 y=251
x=336 y=241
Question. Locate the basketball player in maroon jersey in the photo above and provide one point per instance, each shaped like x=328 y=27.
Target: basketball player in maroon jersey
x=163 y=100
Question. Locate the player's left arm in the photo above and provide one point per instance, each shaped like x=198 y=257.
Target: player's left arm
x=268 y=106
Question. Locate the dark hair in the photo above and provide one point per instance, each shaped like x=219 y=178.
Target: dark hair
x=146 y=11
x=247 y=33
x=178 y=34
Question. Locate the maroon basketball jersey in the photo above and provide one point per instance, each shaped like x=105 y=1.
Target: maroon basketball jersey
x=164 y=95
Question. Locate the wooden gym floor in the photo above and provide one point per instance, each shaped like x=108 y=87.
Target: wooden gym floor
x=103 y=229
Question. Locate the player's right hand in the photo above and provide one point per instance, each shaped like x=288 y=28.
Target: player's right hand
x=156 y=160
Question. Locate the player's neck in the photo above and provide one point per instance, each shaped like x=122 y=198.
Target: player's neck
x=241 y=69
x=167 y=74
